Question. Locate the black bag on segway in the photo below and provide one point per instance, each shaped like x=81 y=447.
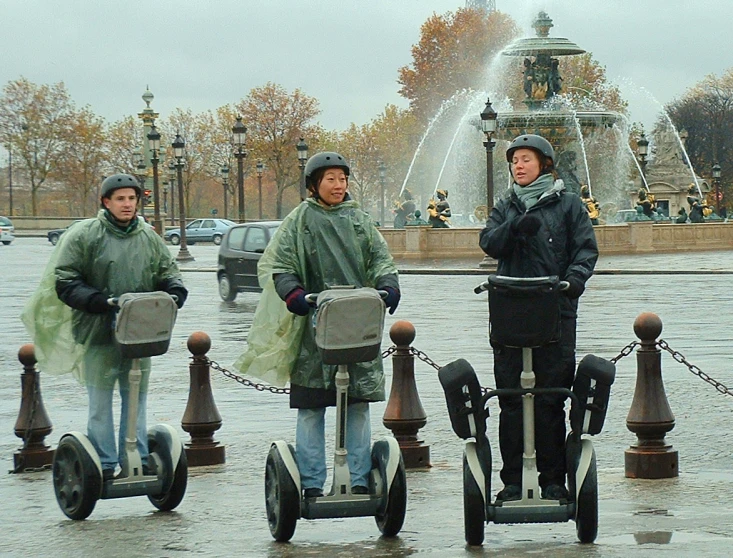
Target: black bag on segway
x=592 y=387
x=524 y=311
x=349 y=325
x=463 y=397
x=144 y=324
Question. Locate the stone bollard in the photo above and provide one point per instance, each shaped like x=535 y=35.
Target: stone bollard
x=404 y=414
x=33 y=424
x=650 y=417
x=201 y=418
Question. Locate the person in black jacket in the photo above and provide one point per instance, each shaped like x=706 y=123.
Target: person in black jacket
x=539 y=229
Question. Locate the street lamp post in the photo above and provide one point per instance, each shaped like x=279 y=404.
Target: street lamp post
x=260 y=169
x=10 y=176
x=179 y=150
x=642 y=150
x=302 y=148
x=382 y=176
x=172 y=180
x=225 y=183
x=165 y=198
x=141 y=174
x=716 y=179
x=154 y=144
x=239 y=132
x=488 y=127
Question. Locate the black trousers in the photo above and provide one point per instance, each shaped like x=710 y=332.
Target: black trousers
x=554 y=366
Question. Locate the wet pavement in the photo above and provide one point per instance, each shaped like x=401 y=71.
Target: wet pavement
x=223 y=511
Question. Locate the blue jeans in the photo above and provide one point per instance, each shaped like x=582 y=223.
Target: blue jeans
x=101 y=428
x=310 y=445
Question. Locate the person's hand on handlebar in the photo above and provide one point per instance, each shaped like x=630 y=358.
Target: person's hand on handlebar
x=297 y=303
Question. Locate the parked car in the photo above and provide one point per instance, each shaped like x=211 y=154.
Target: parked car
x=6 y=230
x=53 y=235
x=239 y=253
x=200 y=230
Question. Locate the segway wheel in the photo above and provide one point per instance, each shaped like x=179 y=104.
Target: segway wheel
x=282 y=501
x=474 y=509
x=390 y=521
x=76 y=479
x=586 y=514
x=170 y=499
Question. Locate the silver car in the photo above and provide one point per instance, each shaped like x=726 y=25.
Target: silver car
x=200 y=230
x=6 y=230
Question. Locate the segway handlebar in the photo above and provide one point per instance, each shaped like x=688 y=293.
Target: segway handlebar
x=564 y=286
x=114 y=301
x=311 y=298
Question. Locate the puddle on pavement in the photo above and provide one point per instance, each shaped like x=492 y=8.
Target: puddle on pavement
x=660 y=537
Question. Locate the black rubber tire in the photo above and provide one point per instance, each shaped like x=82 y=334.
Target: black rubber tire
x=474 y=508
x=217 y=239
x=7 y=242
x=586 y=511
x=390 y=522
x=175 y=239
x=54 y=238
x=226 y=292
x=76 y=479
x=174 y=496
x=282 y=500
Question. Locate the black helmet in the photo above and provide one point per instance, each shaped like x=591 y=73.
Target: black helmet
x=324 y=160
x=117 y=181
x=531 y=141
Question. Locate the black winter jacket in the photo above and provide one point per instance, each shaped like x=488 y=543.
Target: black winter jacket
x=565 y=244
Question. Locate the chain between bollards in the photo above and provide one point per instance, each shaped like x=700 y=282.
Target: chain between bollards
x=679 y=357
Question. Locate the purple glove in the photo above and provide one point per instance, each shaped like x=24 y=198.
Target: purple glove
x=393 y=299
x=297 y=303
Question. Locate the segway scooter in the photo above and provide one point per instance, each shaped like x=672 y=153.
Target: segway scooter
x=349 y=324
x=525 y=312
x=143 y=327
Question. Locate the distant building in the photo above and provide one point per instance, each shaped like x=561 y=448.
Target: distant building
x=487 y=6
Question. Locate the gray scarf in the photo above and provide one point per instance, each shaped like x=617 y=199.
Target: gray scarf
x=531 y=193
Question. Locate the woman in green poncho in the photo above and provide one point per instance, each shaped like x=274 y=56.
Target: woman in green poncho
x=324 y=242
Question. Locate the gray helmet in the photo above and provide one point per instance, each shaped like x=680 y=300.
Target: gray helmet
x=531 y=141
x=324 y=160
x=117 y=181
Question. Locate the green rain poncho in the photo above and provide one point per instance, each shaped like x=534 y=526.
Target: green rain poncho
x=106 y=258
x=324 y=247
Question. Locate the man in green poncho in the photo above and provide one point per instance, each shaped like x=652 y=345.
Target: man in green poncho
x=326 y=241
x=71 y=321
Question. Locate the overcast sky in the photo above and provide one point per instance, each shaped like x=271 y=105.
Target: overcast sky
x=202 y=54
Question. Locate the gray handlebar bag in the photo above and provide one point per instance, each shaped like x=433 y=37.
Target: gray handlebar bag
x=349 y=325
x=144 y=324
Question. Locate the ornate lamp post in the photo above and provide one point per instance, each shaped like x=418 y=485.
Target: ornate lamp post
x=154 y=144
x=302 y=148
x=179 y=150
x=10 y=177
x=141 y=173
x=225 y=183
x=488 y=127
x=260 y=169
x=239 y=132
x=642 y=150
x=165 y=198
x=382 y=177
x=716 y=179
x=172 y=181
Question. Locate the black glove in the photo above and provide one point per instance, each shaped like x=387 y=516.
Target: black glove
x=393 y=299
x=181 y=294
x=98 y=304
x=297 y=303
x=575 y=288
x=528 y=224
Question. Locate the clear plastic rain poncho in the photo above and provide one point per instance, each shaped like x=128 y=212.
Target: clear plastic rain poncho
x=324 y=247
x=115 y=262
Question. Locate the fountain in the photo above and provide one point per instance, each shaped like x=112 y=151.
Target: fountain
x=592 y=147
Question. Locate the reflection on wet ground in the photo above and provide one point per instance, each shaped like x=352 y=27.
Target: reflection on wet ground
x=223 y=512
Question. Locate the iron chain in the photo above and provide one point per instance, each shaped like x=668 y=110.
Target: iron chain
x=265 y=387
x=626 y=351
x=679 y=357
x=425 y=358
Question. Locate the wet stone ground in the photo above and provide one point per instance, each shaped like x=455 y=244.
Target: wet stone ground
x=223 y=511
